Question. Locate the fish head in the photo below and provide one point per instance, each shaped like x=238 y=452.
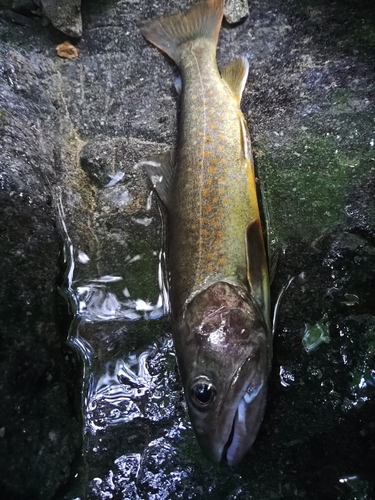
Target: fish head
x=224 y=359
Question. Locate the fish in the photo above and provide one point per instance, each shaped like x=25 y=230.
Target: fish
x=219 y=286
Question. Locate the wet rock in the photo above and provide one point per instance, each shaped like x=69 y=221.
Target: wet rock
x=27 y=5
x=236 y=10
x=41 y=425
x=64 y=15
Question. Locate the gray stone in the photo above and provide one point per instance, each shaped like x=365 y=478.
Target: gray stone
x=236 y=10
x=65 y=15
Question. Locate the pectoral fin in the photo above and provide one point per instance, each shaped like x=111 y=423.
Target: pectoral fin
x=160 y=171
x=257 y=267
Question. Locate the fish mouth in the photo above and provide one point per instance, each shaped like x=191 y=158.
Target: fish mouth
x=245 y=426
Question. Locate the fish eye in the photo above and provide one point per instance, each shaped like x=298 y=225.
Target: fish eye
x=203 y=393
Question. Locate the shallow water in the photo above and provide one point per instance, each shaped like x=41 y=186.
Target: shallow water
x=319 y=428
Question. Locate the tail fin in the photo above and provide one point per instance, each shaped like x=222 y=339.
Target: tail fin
x=203 y=20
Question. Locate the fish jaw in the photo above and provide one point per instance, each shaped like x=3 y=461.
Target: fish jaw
x=230 y=438
x=223 y=351
x=245 y=427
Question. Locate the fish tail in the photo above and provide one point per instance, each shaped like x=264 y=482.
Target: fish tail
x=203 y=20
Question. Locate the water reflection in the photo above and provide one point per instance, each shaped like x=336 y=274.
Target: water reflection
x=128 y=390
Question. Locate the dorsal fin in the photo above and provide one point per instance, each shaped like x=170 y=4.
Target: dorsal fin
x=235 y=75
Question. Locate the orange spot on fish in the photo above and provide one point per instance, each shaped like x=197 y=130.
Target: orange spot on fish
x=210 y=268
x=209 y=181
x=226 y=170
x=205 y=191
x=200 y=132
x=207 y=138
x=205 y=101
x=223 y=160
x=221 y=191
x=211 y=110
x=215 y=223
x=220 y=148
x=225 y=200
x=210 y=255
x=210 y=92
x=204 y=232
x=223 y=179
x=207 y=153
x=221 y=119
x=203 y=220
x=220 y=214
x=215 y=199
x=215 y=160
x=222 y=261
x=199 y=184
x=222 y=137
x=220 y=234
x=208 y=208
x=200 y=162
x=218 y=243
x=211 y=169
x=212 y=125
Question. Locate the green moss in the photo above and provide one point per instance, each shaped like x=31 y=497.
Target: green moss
x=305 y=188
x=310 y=179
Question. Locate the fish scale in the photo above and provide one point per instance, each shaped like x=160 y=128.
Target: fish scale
x=214 y=202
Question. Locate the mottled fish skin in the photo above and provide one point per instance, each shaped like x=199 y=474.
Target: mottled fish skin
x=219 y=287
x=214 y=193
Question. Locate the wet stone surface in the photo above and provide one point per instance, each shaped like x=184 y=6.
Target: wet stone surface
x=92 y=406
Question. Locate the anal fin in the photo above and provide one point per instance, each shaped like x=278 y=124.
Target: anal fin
x=257 y=266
